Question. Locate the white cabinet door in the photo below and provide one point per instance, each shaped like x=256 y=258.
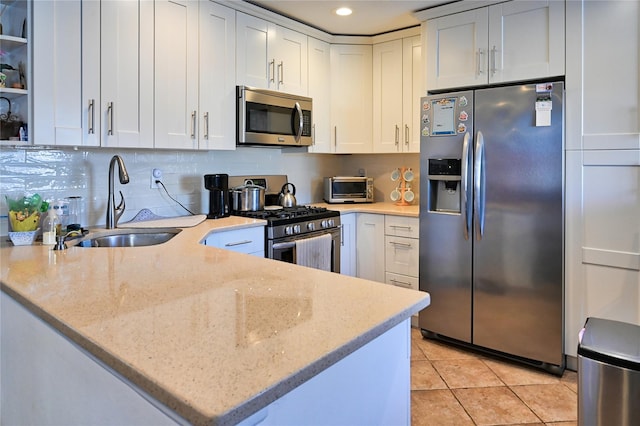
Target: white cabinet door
x=244 y=240
x=348 y=250
x=412 y=91
x=176 y=74
x=397 y=88
x=126 y=79
x=457 y=50
x=370 y=243
x=217 y=77
x=401 y=255
x=351 y=98
x=66 y=45
x=526 y=40
x=270 y=56
x=253 y=56
x=194 y=75
x=319 y=91
x=290 y=58
x=388 y=129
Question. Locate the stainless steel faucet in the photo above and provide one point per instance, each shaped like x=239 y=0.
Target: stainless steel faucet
x=114 y=213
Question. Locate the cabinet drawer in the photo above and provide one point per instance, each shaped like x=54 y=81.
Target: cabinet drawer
x=401 y=226
x=401 y=255
x=245 y=240
x=404 y=281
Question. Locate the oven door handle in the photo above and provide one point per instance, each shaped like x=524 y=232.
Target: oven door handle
x=278 y=246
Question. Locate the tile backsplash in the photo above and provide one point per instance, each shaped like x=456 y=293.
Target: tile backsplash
x=56 y=173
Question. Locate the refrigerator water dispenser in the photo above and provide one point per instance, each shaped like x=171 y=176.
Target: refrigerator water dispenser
x=444 y=185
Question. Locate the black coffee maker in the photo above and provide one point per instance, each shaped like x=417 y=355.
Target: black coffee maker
x=218 y=186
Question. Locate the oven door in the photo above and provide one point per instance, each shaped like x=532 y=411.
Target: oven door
x=284 y=249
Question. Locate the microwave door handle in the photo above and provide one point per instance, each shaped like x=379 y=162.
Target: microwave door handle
x=298 y=134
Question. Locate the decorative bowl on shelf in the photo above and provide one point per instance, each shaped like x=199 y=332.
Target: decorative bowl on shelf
x=23 y=238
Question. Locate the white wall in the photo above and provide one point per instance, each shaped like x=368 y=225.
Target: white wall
x=61 y=172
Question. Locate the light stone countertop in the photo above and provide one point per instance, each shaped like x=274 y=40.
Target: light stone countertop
x=213 y=334
x=378 y=208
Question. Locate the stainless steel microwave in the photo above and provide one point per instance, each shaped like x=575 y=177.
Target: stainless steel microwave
x=266 y=117
x=348 y=189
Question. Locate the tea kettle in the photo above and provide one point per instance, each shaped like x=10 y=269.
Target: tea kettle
x=287 y=198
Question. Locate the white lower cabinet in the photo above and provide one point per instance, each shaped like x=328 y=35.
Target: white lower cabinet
x=244 y=240
x=402 y=258
x=370 y=246
x=348 y=249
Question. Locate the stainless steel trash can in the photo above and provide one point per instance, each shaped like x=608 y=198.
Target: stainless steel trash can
x=609 y=373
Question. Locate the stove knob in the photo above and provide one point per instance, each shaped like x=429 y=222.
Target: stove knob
x=296 y=229
x=332 y=223
x=311 y=226
x=324 y=223
x=288 y=230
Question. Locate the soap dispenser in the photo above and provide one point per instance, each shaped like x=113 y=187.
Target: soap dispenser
x=50 y=225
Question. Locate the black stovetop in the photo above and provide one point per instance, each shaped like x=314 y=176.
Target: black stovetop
x=288 y=215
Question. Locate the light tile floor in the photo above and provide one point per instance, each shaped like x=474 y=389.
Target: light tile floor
x=451 y=386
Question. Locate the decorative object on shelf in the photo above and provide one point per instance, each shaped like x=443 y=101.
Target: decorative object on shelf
x=402 y=195
x=10 y=124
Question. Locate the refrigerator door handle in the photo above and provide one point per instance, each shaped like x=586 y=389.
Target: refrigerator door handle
x=466 y=163
x=479 y=186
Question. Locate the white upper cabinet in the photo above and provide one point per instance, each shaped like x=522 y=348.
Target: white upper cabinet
x=66 y=53
x=319 y=85
x=509 y=41
x=351 y=98
x=93 y=73
x=387 y=97
x=194 y=75
x=526 y=40
x=456 y=50
x=126 y=77
x=270 y=56
x=397 y=87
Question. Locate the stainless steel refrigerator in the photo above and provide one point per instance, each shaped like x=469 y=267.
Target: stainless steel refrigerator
x=491 y=220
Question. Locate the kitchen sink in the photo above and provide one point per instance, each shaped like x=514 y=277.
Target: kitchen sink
x=129 y=237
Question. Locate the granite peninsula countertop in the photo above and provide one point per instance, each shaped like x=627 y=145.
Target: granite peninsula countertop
x=213 y=334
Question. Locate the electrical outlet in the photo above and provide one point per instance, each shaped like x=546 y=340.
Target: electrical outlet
x=362 y=172
x=156 y=174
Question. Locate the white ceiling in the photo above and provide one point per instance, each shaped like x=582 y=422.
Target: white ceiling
x=370 y=17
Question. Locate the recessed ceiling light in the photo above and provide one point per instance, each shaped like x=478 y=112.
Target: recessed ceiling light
x=344 y=11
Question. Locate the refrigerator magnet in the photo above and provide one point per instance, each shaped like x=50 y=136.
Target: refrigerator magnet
x=463 y=102
x=543 y=113
x=462 y=127
x=463 y=116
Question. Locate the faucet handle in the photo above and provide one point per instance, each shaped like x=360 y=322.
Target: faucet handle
x=119 y=210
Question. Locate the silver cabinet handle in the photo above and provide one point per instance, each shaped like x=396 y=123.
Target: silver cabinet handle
x=402 y=283
x=335 y=137
x=397 y=135
x=479 y=55
x=206 y=125
x=341 y=234
x=479 y=183
x=91 y=116
x=493 y=61
x=238 y=243
x=193 y=124
x=408 y=228
x=281 y=73
x=406 y=135
x=272 y=70
x=397 y=244
x=110 y=118
x=466 y=223
x=313 y=139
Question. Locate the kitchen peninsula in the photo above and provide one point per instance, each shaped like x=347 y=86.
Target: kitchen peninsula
x=185 y=333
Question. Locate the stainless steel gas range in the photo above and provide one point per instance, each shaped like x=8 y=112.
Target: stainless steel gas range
x=288 y=226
